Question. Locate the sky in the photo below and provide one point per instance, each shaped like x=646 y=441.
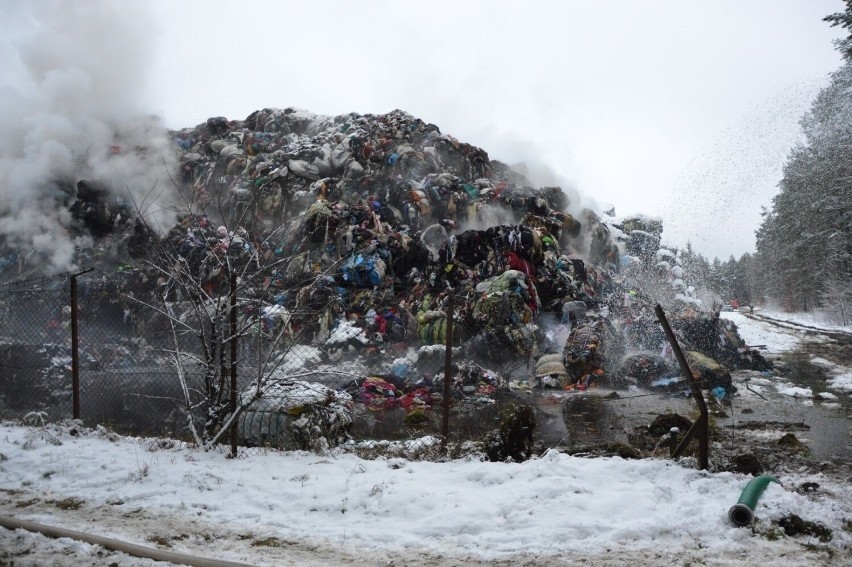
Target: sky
x=681 y=110
x=334 y=508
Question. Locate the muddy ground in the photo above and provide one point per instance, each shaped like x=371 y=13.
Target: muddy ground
x=759 y=430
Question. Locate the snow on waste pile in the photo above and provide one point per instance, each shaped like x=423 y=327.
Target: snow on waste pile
x=352 y=231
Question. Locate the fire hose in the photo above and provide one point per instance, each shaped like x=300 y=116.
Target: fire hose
x=741 y=514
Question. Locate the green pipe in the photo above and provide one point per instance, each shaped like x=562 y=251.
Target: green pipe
x=742 y=513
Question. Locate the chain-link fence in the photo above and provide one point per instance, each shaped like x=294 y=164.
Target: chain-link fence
x=125 y=382
x=148 y=360
x=145 y=366
x=35 y=348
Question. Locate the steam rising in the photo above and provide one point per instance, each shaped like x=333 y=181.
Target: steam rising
x=77 y=113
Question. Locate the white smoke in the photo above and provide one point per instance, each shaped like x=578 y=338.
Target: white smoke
x=71 y=108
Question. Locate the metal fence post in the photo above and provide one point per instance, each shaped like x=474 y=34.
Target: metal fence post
x=233 y=362
x=448 y=360
x=75 y=347
x=75 y=354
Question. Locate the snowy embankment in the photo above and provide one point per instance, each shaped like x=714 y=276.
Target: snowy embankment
x=771 y=340
x=775 y=340
x=812 y=320
x=551 y=507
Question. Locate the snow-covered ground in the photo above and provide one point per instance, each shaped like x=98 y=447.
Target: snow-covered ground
x=772 y=340
x=816 y=320
x=775 y=340
x=332 y=509
x=308 y=509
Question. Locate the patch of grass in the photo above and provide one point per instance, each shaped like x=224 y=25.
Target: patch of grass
x=142 y=471
x=161 y=445
x=771 y=534
x=159 y=540
x=792 y=443
x=814 y=548
x=275 y=542
x=268 y=542
x=66 y=504
x=11 y=491
x=27 y=503
x=302 y=478
x=794 y=525
x=623 y=450
x=780 y=425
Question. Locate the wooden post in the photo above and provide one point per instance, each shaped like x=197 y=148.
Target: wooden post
x=702 y=426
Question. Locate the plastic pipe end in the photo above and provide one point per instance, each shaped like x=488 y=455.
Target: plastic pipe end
x=741 y=515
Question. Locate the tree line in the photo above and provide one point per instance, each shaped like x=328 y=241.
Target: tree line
x=803 y=258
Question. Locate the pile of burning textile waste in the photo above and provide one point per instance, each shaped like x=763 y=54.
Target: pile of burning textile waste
x=359 y=230
x=378 y=218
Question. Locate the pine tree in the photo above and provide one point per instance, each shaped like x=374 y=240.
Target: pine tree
x=844 y=20
x=804 y=244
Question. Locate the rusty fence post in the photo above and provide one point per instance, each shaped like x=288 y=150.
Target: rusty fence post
x=233 y=362
x=702 y=426
x=448 y=361
x=75 y=347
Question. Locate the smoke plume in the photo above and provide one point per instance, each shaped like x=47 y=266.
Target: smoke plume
x=71 y=108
